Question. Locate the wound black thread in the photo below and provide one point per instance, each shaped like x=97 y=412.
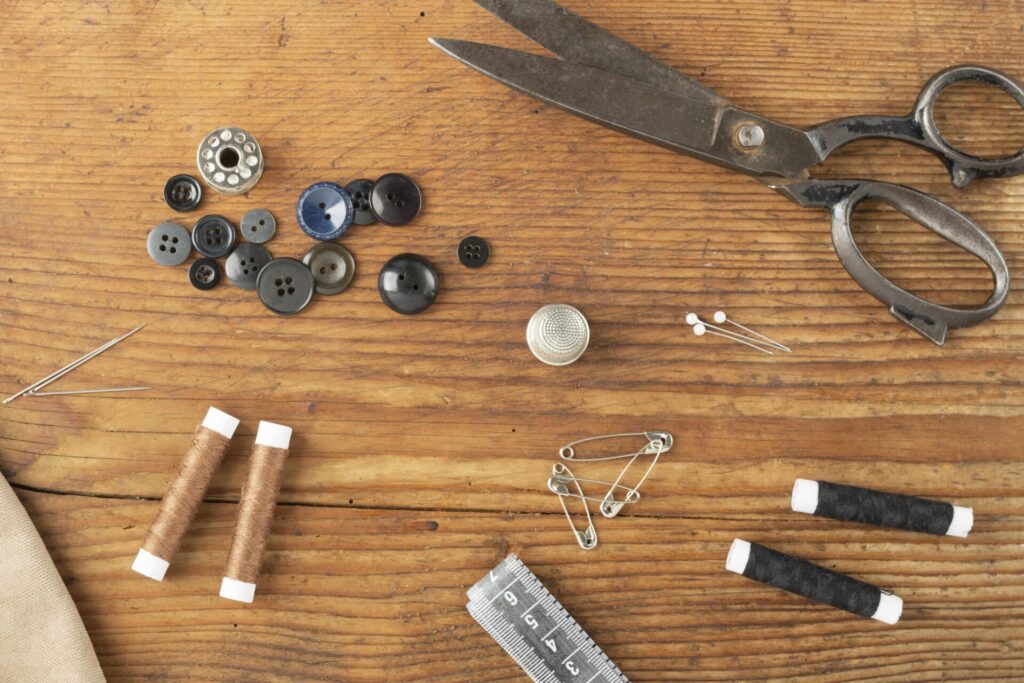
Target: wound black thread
x=893 y=510
x=811 y=581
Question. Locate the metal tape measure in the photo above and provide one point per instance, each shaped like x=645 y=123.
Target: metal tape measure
x=535 y=630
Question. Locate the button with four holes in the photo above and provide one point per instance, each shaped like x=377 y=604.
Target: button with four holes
x=395 y=199
x=332 y=266
x=324 y=211
x=182 y=192
x=285 y=286
x=245 y=263
x=204 y=273
x=213 y=236
x=258 y=226
x=408 y=283
x=360 y=191
x=169 y=244
x=474 y=252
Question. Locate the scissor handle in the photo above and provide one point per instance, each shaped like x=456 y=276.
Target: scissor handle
x=932 y=320
x=919 y=128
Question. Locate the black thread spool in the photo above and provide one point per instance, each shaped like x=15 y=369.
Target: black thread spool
x=808 y=580
x=893 y=510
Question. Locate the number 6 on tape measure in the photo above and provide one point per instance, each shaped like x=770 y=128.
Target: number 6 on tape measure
x=535 y=630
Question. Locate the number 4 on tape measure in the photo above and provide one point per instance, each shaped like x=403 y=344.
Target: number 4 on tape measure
x=535 y=630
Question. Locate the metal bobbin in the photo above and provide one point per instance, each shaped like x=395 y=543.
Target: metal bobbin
x=230 y=160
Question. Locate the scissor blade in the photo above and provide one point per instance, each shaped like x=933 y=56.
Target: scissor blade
x=577 y=40
x=684 y=124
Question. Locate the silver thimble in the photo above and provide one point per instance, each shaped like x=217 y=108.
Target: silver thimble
x=558 y=334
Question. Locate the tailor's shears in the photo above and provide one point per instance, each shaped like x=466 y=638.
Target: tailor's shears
x=603 y=78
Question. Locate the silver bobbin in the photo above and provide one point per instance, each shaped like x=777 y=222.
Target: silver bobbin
x=230 y=160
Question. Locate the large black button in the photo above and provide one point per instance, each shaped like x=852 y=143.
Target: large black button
x=360 y=191
x=395 y=199
x=474 y=252
x=204 y=273
x=182 y=192
x=245 y=263
x=324 y=211
x=285 y=286
x=332 y=266
x=408 y=283
x=213 y=236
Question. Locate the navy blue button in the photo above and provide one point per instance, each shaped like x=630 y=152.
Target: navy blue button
x=325 y=211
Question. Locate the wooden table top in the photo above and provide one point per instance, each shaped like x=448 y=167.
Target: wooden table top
x=422 y=444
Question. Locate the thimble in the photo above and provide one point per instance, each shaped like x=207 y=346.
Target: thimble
x=558 y=334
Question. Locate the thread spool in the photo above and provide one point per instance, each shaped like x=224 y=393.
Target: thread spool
x=256 y=512
x=808 y=580
x=893 y=510
x=185 y=493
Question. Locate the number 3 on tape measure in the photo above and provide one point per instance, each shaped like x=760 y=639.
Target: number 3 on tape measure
x=529 y=623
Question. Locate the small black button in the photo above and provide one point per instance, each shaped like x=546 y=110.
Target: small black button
x=324 y=211
x=245 y=263
x=360 y=191
x=204 y=273
x=285 y=286
x=395 y=199
x=182 y=192
x=474 y=252
x=408 y=283
x=213 y=236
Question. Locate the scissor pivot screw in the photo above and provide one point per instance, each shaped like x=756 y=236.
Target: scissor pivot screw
x=750 y=136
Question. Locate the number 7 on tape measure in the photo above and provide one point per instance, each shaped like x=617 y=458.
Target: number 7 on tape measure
x=535 y=630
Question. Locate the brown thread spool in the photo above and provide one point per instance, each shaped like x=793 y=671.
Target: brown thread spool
x=256 y=512
x=185 y=493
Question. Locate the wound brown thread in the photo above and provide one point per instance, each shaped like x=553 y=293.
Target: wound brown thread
x=256 y=512
x=185 y=493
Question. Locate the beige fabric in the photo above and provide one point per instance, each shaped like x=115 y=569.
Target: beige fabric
x=41 y=635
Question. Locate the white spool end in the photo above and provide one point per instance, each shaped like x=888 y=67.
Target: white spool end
x=805 y=496
x=220 y=422
x=273 y=435
x=963 y=520
x=720 y=317
x=150 y=566
x=739 y=555
x=692 y=319
x=236 y=590
x=890 y=609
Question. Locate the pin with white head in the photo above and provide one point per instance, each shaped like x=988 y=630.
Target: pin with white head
x=756 y=341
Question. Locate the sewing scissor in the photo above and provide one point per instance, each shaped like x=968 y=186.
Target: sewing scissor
x=602 y=78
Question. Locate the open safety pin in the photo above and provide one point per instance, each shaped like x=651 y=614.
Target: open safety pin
x=587 y=539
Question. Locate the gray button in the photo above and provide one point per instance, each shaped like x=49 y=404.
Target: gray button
x=169 y=244
x=285 y=286
x=258 y=226
x=245 y=263
x=332 y=266
x=213 y=236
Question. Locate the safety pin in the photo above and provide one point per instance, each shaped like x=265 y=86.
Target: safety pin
x=57 y=374
x=610 y=507
x=657 y=441
x=561 y=476
x=587 y=539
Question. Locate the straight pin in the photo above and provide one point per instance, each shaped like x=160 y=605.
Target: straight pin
x=76 y=392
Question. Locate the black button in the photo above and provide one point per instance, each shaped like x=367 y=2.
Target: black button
x=204 y=273
x=213 y=236
x=245 y=263
x=395 y=199
x=182 y=192
x=474 y=252
x=285 y=286
x=324 y=211
x=408 y=283
x=360 y=191
x=332 y=266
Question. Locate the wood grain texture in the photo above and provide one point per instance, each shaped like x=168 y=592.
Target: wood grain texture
x=422 y=444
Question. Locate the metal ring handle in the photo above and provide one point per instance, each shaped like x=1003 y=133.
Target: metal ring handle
x=964 y=167
x=932 y=320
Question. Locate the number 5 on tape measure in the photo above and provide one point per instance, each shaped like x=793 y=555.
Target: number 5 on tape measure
x=535 y=630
